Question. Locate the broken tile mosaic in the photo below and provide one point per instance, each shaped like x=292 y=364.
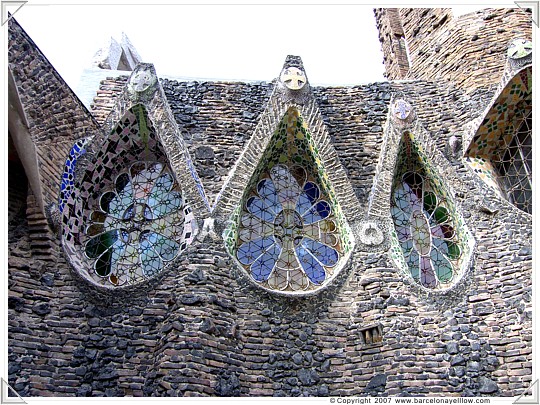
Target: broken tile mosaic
x=68 y=176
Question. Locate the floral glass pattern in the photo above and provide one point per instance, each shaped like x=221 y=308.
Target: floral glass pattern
x=140 y=225
x=289 y=233
x=426 y=227
x=288 y=236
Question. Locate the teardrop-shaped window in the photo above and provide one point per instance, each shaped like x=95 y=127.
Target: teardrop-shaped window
x=430 y=240
x=500 y=153
x=289 y=233
x=135 y=219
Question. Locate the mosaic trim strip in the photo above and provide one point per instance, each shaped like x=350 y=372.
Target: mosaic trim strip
x=486 y=171
x=68 y=176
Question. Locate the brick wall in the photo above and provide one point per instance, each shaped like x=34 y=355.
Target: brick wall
x=393 y=43
x=204 y=329
x=469 y=51
x=55 y=116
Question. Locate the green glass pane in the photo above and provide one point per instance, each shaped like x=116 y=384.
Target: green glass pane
x=430 y=202
x=103 y=264
x=96 y=246
x=441 y=215
x=453 y=251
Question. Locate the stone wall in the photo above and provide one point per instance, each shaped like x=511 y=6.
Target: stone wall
x=394 y=46
x=469 y=51
x=204 y=329
x=54 y=115
x=106 y=96
x=216 y=119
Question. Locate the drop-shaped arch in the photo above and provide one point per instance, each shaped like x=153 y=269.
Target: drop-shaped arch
x=500 y=152
x=289 y=233
x=127 y=218
x=430 y=242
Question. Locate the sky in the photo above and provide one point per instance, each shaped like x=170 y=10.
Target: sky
x=236 y=42
x=338 y=43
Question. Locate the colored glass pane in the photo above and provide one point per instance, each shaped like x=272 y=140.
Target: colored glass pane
x=286 y=228
x=289 y=233
x=424 y=223
x=139 y=226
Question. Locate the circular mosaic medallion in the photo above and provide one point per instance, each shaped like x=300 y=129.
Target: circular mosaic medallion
x=371 y=234
x=293 y=78
x=141 y=81
x=401 y=109
x=519 y=48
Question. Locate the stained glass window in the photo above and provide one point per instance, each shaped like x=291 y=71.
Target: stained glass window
x=289 y=232
x=425 y=225
x=139 y=226
x=514 y=161
x=288 y=237
x=501 y=150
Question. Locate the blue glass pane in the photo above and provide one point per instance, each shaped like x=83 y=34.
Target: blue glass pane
x=249 y=251
x=307 y=198
x=427 y=275
x=151 y=262
x=414 y=262
x=406 y=199
x=407 y=246
x=318 y=212
x=312 y=191
x=442 y=265
x=441 y=245
x=163 y=183
x=324 y=254
x=120 y=203
x=263 y=266
x=313 y=269
x=118 y=251
x=148 y=213
x=129 y=213
x=164 y=203
x=304 y=203
x=403 y=233
x=400 y=218
x=268 y=193
x=166 y=248
x=260 y=209
x=286 y=186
